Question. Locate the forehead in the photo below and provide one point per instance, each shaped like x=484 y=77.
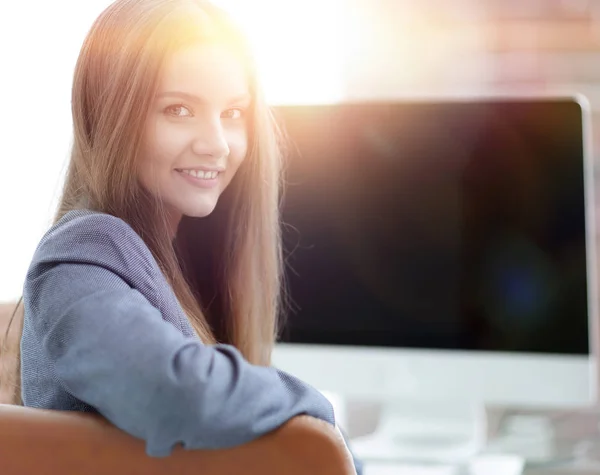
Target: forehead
x=209 y=70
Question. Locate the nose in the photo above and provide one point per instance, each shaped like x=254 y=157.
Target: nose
x=210 y=140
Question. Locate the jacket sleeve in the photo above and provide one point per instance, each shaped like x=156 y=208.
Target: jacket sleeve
x=111 y=349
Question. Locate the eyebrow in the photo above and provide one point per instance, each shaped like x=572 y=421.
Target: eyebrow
x=245 y=97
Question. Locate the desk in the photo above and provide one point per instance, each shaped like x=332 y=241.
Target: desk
x=404 y=469
x=570 y=426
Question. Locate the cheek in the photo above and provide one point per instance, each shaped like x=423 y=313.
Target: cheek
x=163 y=144
x=238 y=148
x=158 y=152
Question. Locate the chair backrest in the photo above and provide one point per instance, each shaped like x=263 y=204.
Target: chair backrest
x=35 y=441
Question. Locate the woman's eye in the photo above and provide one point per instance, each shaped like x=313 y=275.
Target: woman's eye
x=178 y=110
x=235 y=113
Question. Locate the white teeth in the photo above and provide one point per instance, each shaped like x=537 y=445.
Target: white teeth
x=201 y=174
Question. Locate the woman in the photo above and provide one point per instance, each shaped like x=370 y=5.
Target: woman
x=153 y=298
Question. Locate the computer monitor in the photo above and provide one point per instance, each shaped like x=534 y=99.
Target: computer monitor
x=440 y=256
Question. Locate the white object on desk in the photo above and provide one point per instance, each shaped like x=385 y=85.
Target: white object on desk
x=479 y=465
x=403 y=469
x=528 y=435
x=496 y=465
x=442 y=432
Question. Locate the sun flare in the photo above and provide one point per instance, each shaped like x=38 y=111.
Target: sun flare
x=299 y=47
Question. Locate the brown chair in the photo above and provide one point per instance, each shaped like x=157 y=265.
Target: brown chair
x=42 y=442
x=34 y=441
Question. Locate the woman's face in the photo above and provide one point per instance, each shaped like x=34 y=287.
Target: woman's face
x=196 y=136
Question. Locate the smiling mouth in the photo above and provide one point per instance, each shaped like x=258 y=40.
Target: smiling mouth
x=200 y=174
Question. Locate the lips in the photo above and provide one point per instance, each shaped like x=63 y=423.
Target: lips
x=200 y=178
x=202 y=174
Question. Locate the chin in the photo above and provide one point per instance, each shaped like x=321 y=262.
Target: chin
x=195 y=205
x=200 y=211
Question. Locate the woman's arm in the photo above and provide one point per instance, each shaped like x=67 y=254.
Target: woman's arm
x=111 y=349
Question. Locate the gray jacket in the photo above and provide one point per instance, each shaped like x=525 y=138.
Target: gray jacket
x=103 y=332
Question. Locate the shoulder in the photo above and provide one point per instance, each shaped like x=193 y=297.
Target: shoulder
x=93 y=238
x=84 y=220
x=83 y=234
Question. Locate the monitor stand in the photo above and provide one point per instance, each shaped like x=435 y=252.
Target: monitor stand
x=436 y=432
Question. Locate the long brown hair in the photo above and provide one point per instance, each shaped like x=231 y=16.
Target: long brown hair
x=225 y=269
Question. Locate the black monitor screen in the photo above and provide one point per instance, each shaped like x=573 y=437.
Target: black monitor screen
x=437 y=225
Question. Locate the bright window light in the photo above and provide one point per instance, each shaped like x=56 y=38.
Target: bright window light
x=299 y=47
x=39 y=44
